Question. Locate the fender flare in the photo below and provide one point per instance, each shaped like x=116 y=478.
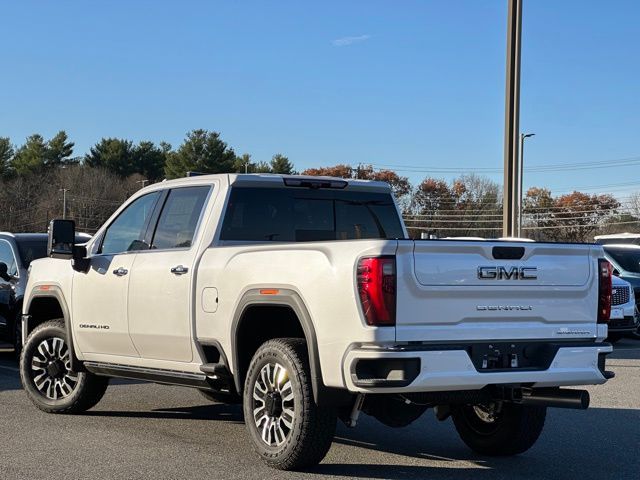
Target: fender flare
x=53 y=291
x=285 y=298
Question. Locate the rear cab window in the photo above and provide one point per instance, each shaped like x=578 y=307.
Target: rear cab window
x=309 y=215
x=179 y=219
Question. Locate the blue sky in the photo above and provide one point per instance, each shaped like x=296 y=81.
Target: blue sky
x=414 y=84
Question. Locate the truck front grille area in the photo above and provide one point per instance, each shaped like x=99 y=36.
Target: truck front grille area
x=620 y=295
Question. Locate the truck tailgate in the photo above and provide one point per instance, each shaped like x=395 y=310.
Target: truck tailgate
x=474 y=290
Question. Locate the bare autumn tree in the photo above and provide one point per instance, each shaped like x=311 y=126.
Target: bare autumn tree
x=574 y=217
x=538 y=207
x=634 y=204
x=580 y=215
x=468 y=206
x=31 y=201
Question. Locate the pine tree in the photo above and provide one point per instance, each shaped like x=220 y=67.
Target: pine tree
x=202 y=151
x=30 y=157
x=113 y=154
x=59 y=150
x=281 y=164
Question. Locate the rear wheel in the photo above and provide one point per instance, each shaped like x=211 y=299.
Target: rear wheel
x=289 y=431
x=498 y=428
x=45 y=372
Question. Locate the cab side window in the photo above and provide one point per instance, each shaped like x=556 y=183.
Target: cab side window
x=179 y=218
x=127 y=232
x=7 y=257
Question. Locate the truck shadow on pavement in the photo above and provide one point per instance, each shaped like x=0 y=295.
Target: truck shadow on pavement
x=593 y=444
x=582 y=445
x=212 y=412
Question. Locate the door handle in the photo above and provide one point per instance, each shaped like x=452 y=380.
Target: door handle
x=120 y=272
x=179 y=270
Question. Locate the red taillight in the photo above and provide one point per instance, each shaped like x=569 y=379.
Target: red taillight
x=604 y=290
x=377 y=290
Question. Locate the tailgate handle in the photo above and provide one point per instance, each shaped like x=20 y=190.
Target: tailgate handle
x=508 y=253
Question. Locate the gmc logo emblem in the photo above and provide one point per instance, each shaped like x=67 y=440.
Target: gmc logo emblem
x=508 y=273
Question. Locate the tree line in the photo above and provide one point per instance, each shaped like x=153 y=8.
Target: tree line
x=36 y=175
x=201 y=151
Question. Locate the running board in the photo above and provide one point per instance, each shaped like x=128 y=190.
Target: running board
x=218 y=371
x=155 y=375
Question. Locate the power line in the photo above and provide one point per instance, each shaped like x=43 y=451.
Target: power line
x=551 y=167
x=479 y=229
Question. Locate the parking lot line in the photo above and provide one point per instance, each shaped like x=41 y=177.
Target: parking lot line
x=13 y=369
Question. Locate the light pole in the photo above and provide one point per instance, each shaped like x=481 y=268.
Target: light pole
x=520 y=181
x=64 y=202
x=511 y=119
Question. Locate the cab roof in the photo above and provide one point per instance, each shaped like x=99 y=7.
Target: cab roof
x=275 y=180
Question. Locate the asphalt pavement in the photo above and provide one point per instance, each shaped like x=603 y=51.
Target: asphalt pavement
x=148 y=431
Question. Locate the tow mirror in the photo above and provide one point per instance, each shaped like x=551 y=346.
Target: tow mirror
x=61 y=244
x=62 y=236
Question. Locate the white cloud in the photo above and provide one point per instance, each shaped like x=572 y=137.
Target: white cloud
x=346 y=41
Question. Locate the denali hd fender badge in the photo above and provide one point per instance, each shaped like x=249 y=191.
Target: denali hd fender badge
x=94 y=326
x=507 y=308
x=508 y=273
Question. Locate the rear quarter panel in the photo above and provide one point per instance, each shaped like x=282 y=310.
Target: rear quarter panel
x=321 y=273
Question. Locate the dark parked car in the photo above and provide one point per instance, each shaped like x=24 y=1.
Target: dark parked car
x=625 y=259
x=17 y=250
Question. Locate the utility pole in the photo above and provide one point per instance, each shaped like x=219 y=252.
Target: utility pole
x=246 y=167
x=64 y=202
x=520 y=195
x=511 y=118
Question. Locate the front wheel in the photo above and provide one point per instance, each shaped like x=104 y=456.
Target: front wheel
x=289 y=431
x=499 y=428
x=45 y=372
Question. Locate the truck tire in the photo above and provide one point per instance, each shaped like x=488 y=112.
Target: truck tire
x=499 y=429
x=45 y=374
x=289 y=431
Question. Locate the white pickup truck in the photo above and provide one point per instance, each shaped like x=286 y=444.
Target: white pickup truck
x=303 y=299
